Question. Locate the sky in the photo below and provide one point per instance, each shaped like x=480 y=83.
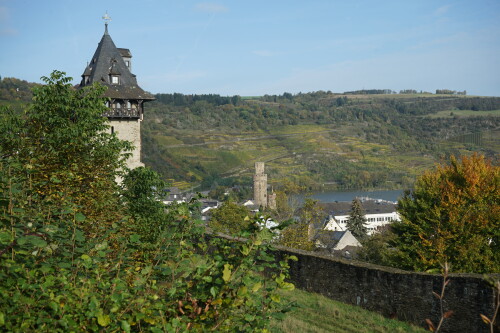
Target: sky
x=252 y=48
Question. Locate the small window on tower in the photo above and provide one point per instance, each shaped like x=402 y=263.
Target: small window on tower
x=127 y=63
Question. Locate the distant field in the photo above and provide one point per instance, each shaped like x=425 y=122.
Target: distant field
x=317 y=314
x=463 y=113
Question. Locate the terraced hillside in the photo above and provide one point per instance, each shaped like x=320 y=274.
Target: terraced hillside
x=318 y=140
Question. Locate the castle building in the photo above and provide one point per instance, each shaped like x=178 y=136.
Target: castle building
x=111 y=66
x=260 y=196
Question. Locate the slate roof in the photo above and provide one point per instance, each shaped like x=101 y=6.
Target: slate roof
x=369 y=207
x=108 y=59
x=125 y=52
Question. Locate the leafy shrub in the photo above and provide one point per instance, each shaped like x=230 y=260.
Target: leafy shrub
x=63 y=271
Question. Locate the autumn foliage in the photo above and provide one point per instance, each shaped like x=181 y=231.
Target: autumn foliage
x=452 y=215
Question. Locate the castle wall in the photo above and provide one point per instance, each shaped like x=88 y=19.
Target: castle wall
x=130 y=130
x=394 y=293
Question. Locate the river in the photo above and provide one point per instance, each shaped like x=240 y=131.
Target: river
x=392 y=195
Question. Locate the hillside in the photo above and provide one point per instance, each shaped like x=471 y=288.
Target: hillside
x=15 y=92
x=319 y=140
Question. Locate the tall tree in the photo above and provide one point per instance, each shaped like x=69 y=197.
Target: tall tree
x=357 y=220
x=452 y=216
x=66 y=147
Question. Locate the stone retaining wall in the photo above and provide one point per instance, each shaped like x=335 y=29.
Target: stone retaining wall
x=394 y=293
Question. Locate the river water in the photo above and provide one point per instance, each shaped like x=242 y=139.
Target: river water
x=392 y=195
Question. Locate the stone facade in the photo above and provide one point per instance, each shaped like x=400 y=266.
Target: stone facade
x=271 y=200
x=260 y=185
x=260 y=196
x=129 y=130
x=394 y=293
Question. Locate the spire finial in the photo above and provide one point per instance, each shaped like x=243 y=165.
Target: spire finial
x=106 y=19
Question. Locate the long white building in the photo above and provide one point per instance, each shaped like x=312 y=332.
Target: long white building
x=378 y=213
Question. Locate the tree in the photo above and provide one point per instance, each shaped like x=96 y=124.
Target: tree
x=357 y=220
x=66 y=147
x=452 y=216
x=300 y=234
x=376 y=248
x=230 y=218
x=143 y=190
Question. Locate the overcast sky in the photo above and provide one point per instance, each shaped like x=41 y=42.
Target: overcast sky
x=256 y=47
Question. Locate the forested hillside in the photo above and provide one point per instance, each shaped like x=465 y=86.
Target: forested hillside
x=318 y=140
x=15 y=93
x=357 y=140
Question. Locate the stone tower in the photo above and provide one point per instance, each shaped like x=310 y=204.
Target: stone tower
x=260 y=185
x=111 y=66
x=271 y=200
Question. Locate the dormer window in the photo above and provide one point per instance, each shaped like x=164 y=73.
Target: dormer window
x=115 y=79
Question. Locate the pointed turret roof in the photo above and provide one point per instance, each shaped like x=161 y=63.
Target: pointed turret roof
x=107 y=62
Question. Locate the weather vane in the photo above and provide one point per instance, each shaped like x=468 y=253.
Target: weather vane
x=106 y=18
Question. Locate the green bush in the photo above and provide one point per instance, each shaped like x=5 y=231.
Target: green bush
x=135 y=270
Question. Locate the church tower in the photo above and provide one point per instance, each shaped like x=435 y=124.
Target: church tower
x=111 y=66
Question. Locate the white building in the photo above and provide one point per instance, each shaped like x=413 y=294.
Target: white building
x=378 y=213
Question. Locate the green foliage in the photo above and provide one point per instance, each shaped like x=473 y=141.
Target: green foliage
x=65 y=147
x=63 y=271
x=452 y=216
x=299 y=235
x=377 y=249
x=230 y=218
x=356 y=223
x=143 y=190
